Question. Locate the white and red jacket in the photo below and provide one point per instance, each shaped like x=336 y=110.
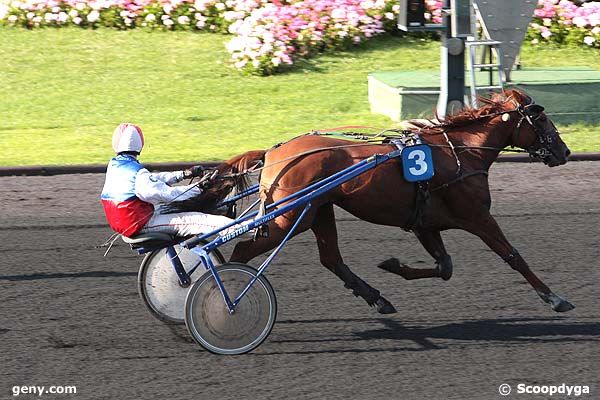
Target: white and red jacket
x=131 y=193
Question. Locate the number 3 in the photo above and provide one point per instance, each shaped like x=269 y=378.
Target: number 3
x=418 y=157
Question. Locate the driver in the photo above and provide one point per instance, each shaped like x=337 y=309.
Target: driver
x=132 y=196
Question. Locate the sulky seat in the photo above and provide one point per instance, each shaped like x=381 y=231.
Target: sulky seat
x=148 y=240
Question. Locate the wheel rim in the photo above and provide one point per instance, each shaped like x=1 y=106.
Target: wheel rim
x=210 y=322
x=159 y=284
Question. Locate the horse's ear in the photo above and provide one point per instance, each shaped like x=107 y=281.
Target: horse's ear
x=519 y=96
x=535 y=109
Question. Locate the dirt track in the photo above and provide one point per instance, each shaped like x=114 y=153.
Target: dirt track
x=71 y=317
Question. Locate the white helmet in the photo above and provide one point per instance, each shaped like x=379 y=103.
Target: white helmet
x=127 y=137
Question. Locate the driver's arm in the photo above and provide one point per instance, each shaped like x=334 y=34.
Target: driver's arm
x=150 y=189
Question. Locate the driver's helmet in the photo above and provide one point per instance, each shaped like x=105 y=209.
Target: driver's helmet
x=127 y=137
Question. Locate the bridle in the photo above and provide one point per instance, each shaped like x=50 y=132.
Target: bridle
x=531 y=113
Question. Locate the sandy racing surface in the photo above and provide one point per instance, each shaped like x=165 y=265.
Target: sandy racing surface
x=72 y=317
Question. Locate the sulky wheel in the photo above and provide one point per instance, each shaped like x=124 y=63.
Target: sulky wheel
x=159 y=286
x=209 y=321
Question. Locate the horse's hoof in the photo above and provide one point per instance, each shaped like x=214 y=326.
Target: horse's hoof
x=384 y=307
x=558 y=303
x=562 y=306
x=444 y=268
x=390 y=265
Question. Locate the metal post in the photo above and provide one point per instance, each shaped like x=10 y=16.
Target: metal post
x=452 y=77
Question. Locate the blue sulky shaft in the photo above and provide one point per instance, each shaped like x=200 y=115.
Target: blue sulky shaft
x=251 y=190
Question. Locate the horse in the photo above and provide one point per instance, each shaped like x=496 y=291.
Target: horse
x=464 y=146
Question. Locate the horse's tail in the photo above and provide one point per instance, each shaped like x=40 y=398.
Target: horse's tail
x=243 y=162
x=240 y=164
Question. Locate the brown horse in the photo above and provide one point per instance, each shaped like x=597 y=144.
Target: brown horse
x=464 y=147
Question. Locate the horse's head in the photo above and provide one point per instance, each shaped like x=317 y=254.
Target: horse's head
x=535 y=132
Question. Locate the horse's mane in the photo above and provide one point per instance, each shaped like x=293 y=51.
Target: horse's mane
x=467 y=115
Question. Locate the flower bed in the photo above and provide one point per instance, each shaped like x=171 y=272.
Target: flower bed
x=564 y=22
x=269 y=35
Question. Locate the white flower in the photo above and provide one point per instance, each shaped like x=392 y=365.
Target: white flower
x=596 y=30
x=220 y=6
x=389 y=15
x=199 y=17
x=241 y=64
x=200 y=24
x=12 y=18
x=535 y=41
x=150 y=17
x=124 y=14
x=232 y=15
x=167 y=22
x=589 y=40
x=255 y=63
x=183 y=20
x=80 y=6
x=37 y=20
x=30 y=15
x=338 y=13
x=62 y=17
x=167 y=8
x=3 y=10
x=547 y=22
x=77 y=20
x=580 y=21
x=275 y=61
x=199 y=5
x=163 y=17
x=367 y=4
x=127 y=20
x=55 y=10
x=73 y=13
x=93 y=16
x=396 y=8
x=49 y=17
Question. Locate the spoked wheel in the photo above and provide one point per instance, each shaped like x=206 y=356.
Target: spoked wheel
x=159 y=286
x=212 y=326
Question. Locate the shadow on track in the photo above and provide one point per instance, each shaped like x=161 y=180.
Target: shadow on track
x=506 y=331
x=60 y=275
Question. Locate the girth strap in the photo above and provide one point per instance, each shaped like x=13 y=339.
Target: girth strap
x=422 y=197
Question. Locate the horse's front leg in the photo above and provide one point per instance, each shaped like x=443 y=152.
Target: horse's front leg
x=488 y=230
x=432 y=242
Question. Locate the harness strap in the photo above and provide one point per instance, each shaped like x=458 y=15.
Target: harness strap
x=461 y=178
x=422 y=197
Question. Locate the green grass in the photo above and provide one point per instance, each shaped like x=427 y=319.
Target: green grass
x=62 y=92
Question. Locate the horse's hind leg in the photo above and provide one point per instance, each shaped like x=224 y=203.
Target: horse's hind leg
x=326 y=233
x=488 y=230
x=432 y=242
